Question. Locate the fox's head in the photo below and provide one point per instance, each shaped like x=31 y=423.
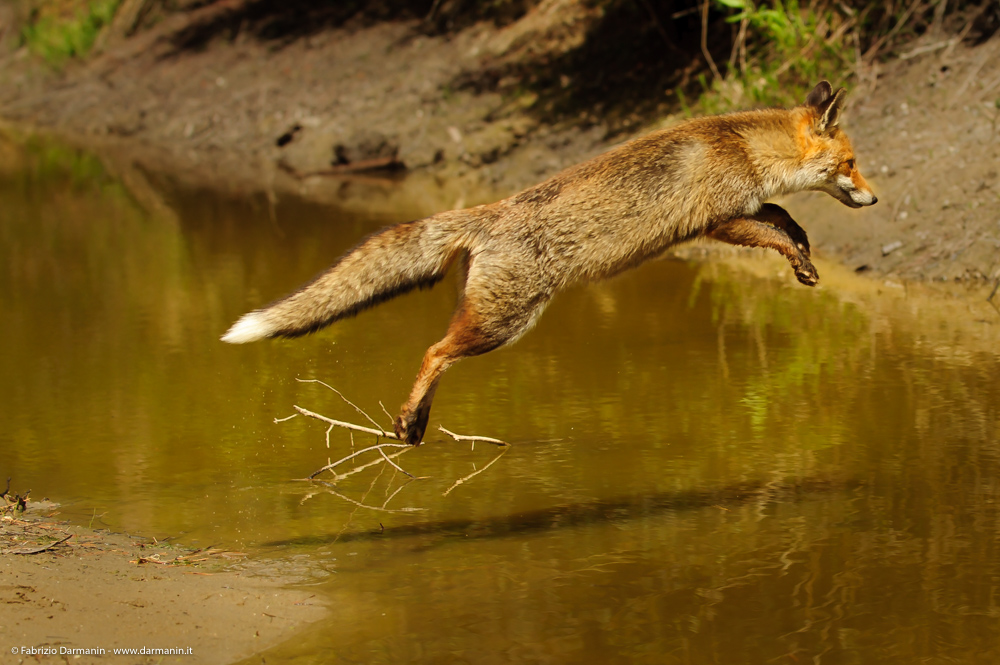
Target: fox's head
x=828 y=151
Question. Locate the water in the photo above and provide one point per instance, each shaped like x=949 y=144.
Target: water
x=708 y=467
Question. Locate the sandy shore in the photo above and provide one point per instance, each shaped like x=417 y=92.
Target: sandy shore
x=73 y=594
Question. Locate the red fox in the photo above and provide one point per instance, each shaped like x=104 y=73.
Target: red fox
x=706 y=177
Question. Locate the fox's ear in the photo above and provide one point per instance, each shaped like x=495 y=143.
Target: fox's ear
x=819 y=94
x=829 y=111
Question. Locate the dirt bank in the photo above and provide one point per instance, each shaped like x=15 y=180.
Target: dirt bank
x=69 y=592
x=231 y=96
x=927 y=138
x=249 y=96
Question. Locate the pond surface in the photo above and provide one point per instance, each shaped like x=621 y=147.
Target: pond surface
x=708 y=467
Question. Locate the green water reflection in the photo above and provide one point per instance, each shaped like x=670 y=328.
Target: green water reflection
x=708 y=468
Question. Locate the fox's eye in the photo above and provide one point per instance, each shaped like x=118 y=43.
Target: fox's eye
x=850 y=164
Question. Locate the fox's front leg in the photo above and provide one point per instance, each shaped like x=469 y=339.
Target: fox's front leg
x=771 y=227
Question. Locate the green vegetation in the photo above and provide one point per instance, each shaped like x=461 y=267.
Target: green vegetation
x=60 y=31
x=625 y=62
x=779 y=49
x=782 y=49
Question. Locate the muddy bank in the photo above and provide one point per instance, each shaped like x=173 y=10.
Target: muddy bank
x=70 y=592
x=231 y=96
x=217 y=96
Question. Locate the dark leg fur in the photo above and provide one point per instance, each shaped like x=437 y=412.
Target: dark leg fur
x=774 y=228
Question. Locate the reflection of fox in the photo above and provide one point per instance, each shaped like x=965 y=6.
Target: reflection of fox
x=706 y=177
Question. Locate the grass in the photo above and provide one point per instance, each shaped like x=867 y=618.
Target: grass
x=781 y=48
x=792 y=47
x=60 y=31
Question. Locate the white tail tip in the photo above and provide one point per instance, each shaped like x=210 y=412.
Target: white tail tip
x=250 y=328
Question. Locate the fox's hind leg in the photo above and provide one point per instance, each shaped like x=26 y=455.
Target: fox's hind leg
x=774 y=228
x=498 y=304
x=463 y=339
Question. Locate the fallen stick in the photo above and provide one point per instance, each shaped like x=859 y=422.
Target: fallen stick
x=379 y=446
x=341 y=395
x=383 y=509
x=474 y=473
x=341 y=423
x=396 y=466
x=36 y=550
x=466 y=437
x=361 y=166
x=362 y=467
x=355 y=454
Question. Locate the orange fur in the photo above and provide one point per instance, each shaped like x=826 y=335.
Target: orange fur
x=707 y=177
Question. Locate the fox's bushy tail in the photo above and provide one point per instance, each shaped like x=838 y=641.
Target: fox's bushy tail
x=386 y=264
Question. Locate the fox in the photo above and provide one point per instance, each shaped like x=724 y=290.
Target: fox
x=705 y=177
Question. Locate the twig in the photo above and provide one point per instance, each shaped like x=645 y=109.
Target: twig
x=307 y=497
x=874 y=48
x=355 y=454
x=407 y=509
x=475 y=473
x=927 y=49
x=350 y=518
x=810 y=43
x=385 y=411
x=356 y=407
x=396 y=466
x=704 y=41
x=36 y=550
x=973 y=75
x=432 y=12
x=380 y=446
x=657 y=23
x=374 y=164
x=740 y=47
x=359 y=469
x=938 y=16
x=392 y=496
x=465 y=437
x=362 y=467
x=341 y=423
x=992 y=294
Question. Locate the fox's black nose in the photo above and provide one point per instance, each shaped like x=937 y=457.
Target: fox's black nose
x=874 y=200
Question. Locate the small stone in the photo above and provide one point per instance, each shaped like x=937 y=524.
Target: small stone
x=891 y=247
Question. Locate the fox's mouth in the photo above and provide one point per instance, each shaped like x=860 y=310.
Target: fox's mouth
x=851 y=202
x=870 y=202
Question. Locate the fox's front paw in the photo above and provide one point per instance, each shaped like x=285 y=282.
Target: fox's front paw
x=806 y=273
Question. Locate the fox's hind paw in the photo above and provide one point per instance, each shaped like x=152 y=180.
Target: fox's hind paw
x=410 y=426
x=806 y=273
